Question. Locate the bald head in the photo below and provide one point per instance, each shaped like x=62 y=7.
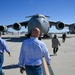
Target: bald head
x=36 y=32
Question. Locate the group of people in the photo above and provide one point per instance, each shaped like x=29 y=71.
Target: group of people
x=31 y=53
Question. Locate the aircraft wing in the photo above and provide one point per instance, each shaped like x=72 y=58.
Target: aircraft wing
x=16 y=26
x=59 y=25
x=25 y=23
x=52 y=23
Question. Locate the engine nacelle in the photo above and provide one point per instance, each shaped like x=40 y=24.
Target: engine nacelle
x=3 y=28
x=60 y=25
x=16 y=26
x=72 y=28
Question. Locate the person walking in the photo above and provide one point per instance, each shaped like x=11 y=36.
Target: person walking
x=3 y=47
x=55 y=43
x=63 y=37
x=32 y=51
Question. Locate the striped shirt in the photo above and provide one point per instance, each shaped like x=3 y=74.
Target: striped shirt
x=32 y=51
x=3 y=46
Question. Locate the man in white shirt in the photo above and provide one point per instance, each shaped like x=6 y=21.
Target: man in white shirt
x=32 y=51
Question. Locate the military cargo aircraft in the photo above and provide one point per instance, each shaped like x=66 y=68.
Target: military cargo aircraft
x=40 y=21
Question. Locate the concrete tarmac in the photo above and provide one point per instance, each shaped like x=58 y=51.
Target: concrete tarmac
x=61 y=64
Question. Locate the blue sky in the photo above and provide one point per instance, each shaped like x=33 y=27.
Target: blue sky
x=12 y=11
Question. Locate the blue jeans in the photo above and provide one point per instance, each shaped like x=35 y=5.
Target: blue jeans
x=1 y=62
x=33 y=70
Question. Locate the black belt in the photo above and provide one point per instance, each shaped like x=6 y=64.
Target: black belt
x=34 y=65
x=37 y=66
x=1 y=53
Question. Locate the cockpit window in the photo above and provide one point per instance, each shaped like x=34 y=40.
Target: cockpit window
x=41 y=16
x=38 y=16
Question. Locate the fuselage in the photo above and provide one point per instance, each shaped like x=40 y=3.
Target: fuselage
x=39 y=21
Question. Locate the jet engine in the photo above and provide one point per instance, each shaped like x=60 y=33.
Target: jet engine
x=3 y=28
x=60 y=25
x=72 y=28
x=16 y=26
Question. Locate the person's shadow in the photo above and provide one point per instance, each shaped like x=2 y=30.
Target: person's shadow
x=11 y=66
